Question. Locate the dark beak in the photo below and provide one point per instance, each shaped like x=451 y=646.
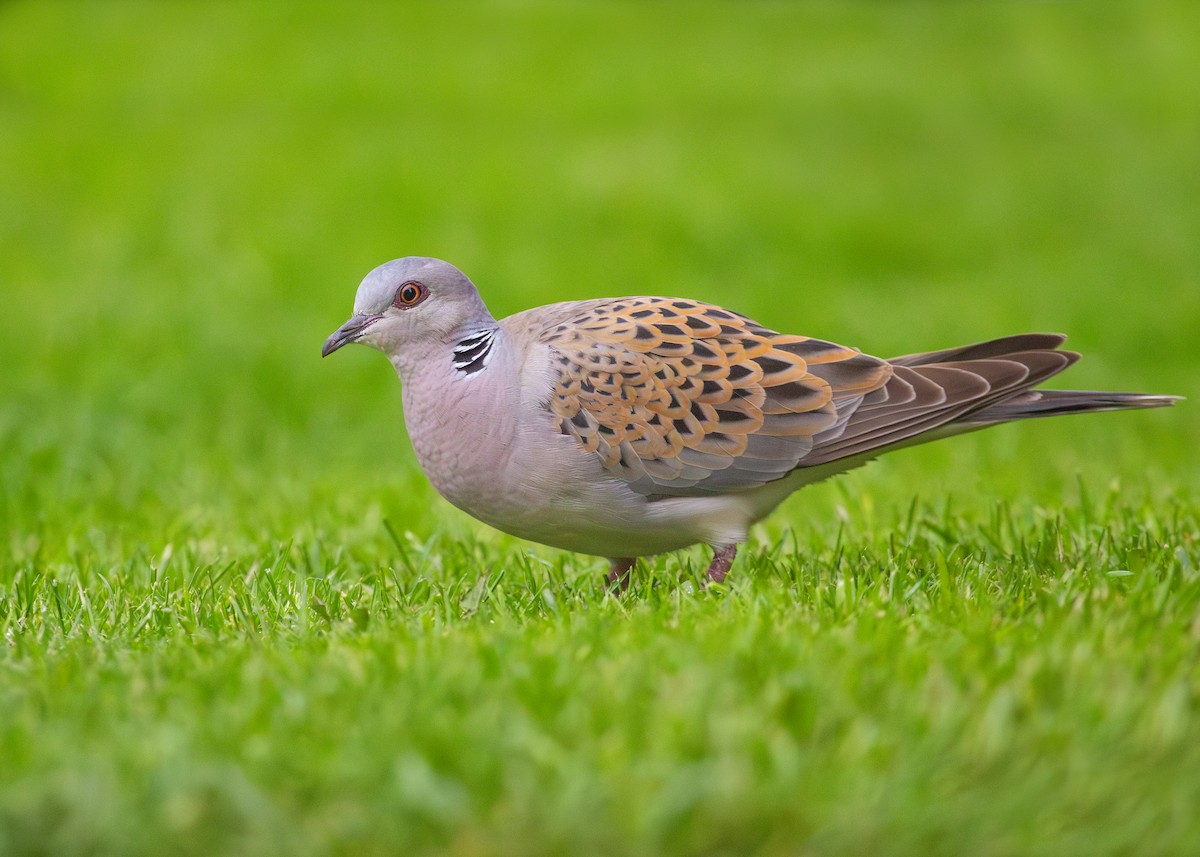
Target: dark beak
x=348 y=332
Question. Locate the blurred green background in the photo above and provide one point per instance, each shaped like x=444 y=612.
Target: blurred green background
x=190 y=193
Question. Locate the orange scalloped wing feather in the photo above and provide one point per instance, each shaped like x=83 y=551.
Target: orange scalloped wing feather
x=679 y=397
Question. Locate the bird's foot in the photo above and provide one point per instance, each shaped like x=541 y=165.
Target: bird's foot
x=721 y=563
x=618 y=574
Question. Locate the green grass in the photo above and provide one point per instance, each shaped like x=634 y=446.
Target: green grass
x=235 y=617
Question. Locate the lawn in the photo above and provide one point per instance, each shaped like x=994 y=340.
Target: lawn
x=236 y=619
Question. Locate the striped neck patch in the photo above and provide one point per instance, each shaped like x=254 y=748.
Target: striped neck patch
x=471 y=354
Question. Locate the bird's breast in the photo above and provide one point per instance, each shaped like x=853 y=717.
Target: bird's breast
x=462 y=440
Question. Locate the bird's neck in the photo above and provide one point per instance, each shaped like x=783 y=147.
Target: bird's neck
x=465 y=388
x=466 y=351
x=473 y=348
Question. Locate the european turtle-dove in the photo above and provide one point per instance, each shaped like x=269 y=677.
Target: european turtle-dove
x=625 y=427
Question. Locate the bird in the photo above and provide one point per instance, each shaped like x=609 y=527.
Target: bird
x=633 y=426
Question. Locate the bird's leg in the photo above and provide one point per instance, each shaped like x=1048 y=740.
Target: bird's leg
x=618 y=574
x=721 y=563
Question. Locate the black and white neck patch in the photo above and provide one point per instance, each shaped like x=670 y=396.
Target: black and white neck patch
x=471 y=354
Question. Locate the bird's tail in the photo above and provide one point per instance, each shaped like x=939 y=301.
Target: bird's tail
x=1024 y=402
x=941 y=393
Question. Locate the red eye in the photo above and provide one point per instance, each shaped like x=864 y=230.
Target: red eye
x=409 y=294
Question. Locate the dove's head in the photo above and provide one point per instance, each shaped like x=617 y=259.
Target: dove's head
x=411 y=304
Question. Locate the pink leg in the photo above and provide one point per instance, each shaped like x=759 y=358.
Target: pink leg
x=618 y=574
x=722 y=562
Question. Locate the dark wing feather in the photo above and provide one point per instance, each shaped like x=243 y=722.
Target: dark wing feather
x=1002 y=347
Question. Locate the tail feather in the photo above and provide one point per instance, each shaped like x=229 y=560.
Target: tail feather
x=1051 y=403
x=937 y=393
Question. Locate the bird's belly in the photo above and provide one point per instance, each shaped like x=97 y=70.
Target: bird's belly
x=565 y=499
x=551 y=492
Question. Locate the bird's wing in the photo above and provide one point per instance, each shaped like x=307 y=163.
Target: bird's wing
x=683 y=398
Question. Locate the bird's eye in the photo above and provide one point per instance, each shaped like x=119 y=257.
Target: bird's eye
x=409 y=294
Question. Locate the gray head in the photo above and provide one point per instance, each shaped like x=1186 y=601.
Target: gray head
x=414 y=300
